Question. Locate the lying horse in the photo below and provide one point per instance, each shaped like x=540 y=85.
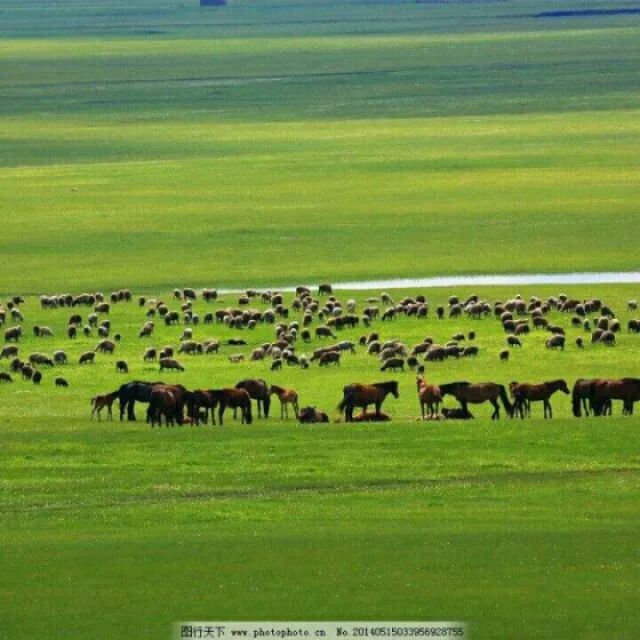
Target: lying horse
x=362 y=395
x=476 y=393
x=310 y=415
x=524 y=394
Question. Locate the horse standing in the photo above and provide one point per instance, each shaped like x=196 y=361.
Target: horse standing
x=101 y=402
x=287 y=397
x=362 y=395
x=476 y=393
x=525 y=393
x=429 y=396
x=258 y=390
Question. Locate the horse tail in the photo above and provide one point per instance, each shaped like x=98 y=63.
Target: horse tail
x=576 y=401
x=92 y=401
x=508 y=407
x=343 y=404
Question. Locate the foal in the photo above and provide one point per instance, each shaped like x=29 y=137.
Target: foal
x=286 y=397
x=429 y=396
x=100 y=402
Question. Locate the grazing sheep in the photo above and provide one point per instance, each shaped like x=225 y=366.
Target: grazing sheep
x=72 y=332
x=556 y=342
x=10 y=351
x=61 y=382
x=5 y=377
x=470 y=351
x=608 y=338
x=393 y=364
x=257 y=354
x=330 y=357
x=150 y=354
x=13 y=334
x=512 y=341
x=122 y=367
x=88 y=357
x=60 y=357
x=436 y=353
x=237 y=357
x=27 y=372
x=147 y=330
x=276 y=365
x=504 y=355
x=579 y=343
x=37 y=377
x=324 y=332
x=86 y=330
x=170 y=363
x=105 y=346
x=40 y=359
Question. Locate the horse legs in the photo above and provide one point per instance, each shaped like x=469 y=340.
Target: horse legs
x=496 y=409
x=422 y=409
x=295 y=409
x=220 y=414
x=110 y=412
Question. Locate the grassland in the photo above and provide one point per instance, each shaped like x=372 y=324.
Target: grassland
x=525 y=529
x=152 y=143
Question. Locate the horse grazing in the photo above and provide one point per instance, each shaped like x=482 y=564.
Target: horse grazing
x=235 y=399
x=162 y=402
x=476 y=393
x=604 y=391
x=581 y=396
x=258 y=390
x=131 y=392
x=201 y=399
x=287 y=397
x=524 y=394
x=429 y=396
x=362 y=395
x=100 y=402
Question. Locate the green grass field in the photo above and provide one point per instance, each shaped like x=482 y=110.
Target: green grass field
x=154 y=143
x=151 y=144
x=524 y=529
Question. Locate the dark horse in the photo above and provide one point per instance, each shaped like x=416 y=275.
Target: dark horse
x=202 y=399
x=233 y=398
x=604 y=391
x=524 y=394
x=130 y=392
x=258 y=390
x=476 y=393
x=168 y=400
x=362 y=395
x=581 y=396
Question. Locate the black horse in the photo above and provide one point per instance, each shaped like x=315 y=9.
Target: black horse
x=130 y=392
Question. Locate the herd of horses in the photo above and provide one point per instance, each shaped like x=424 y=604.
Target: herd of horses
x=175 y=404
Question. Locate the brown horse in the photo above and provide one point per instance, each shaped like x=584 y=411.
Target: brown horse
x=476 y=393
x=429 y=396
x=235 y=399
x=100 y=402
x=310 y=415
x=604 y=391
x=362 y=395
x=258 y=390
x=162 y=402
x=525 y=393
x=201 y=399
x=287 y=397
